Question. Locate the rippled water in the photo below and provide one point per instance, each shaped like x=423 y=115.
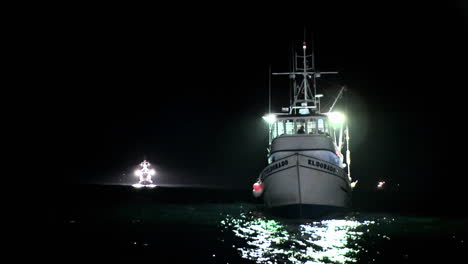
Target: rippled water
x=269 y=241
x=242 y=232
x=357 y=238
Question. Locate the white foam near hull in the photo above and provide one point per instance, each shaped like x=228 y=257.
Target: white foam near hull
x=305 y=186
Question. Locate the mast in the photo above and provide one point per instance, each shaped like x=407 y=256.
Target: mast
x=303 y=97
x=292 y=78
x=304 y=47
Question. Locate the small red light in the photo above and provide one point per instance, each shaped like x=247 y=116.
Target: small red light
x=257 y=187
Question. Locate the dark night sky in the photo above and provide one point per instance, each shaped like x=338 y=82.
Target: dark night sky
x=188 y=89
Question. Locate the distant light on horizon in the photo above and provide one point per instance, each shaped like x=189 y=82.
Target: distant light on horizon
x=144 y=173
x=380 y=184
x=138 y=185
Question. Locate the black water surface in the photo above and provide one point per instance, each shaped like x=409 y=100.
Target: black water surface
x=200 y=225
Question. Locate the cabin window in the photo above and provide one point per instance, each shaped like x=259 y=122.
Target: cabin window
x=327 y=131
x=321 y=126
x=277 y=129
x=274 y=131
x=311 y=126
x=300 y=126
x=280 y=128
x=289 y=124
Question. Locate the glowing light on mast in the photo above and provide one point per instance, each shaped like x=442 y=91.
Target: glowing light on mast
x=145 y=173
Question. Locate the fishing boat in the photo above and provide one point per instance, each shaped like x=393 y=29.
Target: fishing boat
x=307 y=173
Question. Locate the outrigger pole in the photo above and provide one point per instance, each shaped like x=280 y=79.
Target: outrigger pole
x=346 y=136
x=336 y=99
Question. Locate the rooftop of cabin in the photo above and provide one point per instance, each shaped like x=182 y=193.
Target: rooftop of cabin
x=299 y=116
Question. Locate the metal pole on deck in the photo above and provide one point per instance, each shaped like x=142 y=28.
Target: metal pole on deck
x=269 y=88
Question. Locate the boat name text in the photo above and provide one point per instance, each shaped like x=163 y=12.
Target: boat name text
x=323 y=166
x=275 y=166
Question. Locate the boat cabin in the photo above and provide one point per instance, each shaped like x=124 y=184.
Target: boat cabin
x=292 y=125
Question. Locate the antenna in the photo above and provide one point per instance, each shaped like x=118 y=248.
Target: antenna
x=313 y=66
x=304 y=62
x=269 y=88
x=292 y=77
x=305 y=29
x=313 y=55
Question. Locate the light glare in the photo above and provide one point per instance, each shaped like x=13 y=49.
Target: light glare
x=270 y=118
x=336 y=118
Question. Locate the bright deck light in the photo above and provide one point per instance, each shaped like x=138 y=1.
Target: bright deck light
x=336 y=118
x=270 y=118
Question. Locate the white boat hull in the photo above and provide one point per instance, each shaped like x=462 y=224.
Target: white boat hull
x=302 y=186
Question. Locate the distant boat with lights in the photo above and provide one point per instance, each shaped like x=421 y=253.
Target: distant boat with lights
x=144 y=173
x=307 y=174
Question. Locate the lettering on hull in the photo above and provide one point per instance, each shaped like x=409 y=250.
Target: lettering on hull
x=275 y=166
x=311 y=163
x=322 y=165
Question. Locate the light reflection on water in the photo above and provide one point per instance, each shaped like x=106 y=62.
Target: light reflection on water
x=279 y=241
